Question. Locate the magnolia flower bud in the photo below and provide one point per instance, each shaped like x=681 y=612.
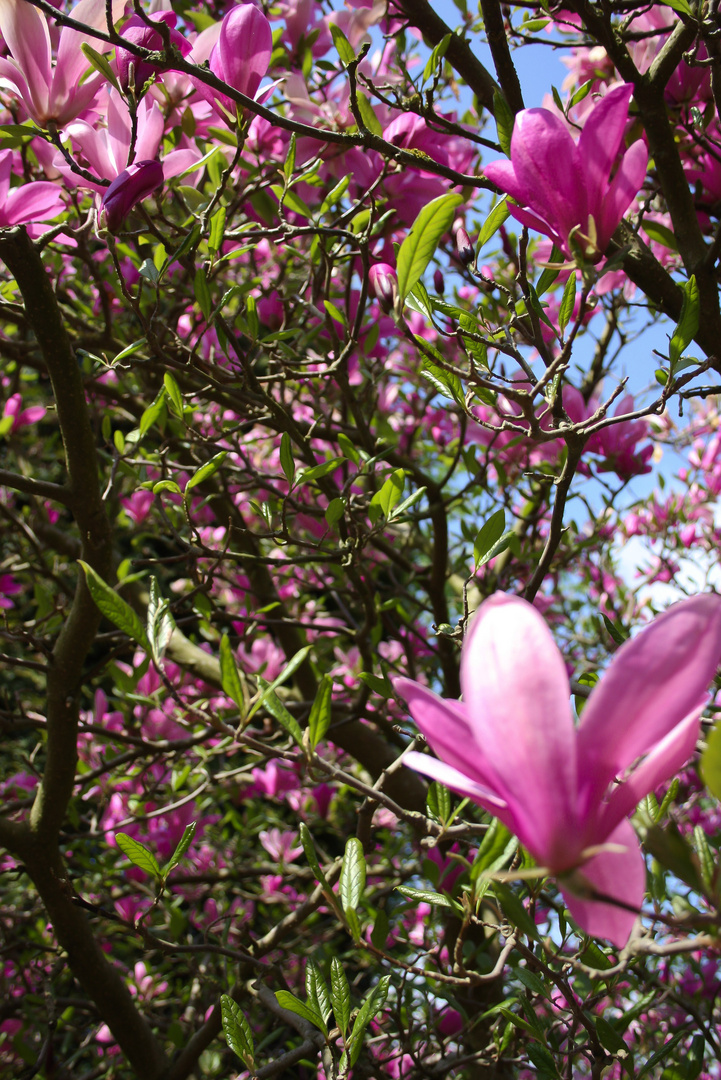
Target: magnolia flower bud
x=137 y=31
x=438 y=283
x=384 y=283
x=130 y=187
x=464 y=247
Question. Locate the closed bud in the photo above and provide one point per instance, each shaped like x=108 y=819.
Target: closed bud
x=438 y=283
x=130 y=187
x=384 y=283
x=464 y=247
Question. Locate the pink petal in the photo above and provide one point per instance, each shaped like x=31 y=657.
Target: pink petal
x=72 y=63
x=244 y=47
x=27 y=37
x=516 y=693
x=449 y=733
x=37 y=201
x=457 y=781
x=666 y=759
x=622 y=191
x=600 y=142
x=549 y=170
x=534 y=222
x=653 y=684
x=621 y=875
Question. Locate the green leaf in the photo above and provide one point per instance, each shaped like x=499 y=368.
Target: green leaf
x=206 y=471
x=682 y=6
x=550 y=273
x=412 y=499
x=335 y=312
x=438 y=53
x=370 y=1008
x=309 y=848
x=383 y=687
x=368 y=116
x=504 y=122
x=532 y=982
x=276 y=708
x=334 y=512
x=445 y=382
x=236 y=1029
x=687 y=323
x=543 y=1060
x=710 y=763
x=316 y=990
x=217 y=231
x=488 y=536
x=229 y=675
x=417 y=249
x=609 y=1038
x=567 y=303
x=616 y=631
x=291 y=200
x=202 y=292
x=289 y=163
x=138 y=854
x=100 y=63
x=424 y=896
x=289 y=1001
x=183 y=844
x=352 y=874
x=379 y=934
x=114 y=608
x=317 y=472
x=339 y=995
x=705 y=857
x=320 y=713
x=438 y=801
x=173 y=391
x=151 y=414
x=286 y=458
x=390 y=493
x=664 y=1052
x=290 y=669
x=348 y=448
x=583 y=91
x=661 y=234
x=493 y=222
x=343 y=46
x=160 y=623
x=514 y=910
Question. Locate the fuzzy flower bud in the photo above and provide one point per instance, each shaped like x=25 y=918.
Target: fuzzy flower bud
x=132 y=186
x=384 y=283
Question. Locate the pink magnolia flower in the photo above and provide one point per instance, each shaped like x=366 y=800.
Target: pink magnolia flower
x=131 y=186
x=567 y=186
x=240 y=57
x=51 y=93
x=384 y=282
x=137 y=31
x=13 y=412
x=566 y=791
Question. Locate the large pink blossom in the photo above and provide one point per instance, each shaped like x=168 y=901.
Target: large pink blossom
x=511 y=744
x=564 y=189
x=240 y=56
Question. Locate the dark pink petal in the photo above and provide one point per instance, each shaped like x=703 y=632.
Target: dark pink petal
x=242 y=54
x=549 y=170
x=516 y=693
x=130 y=187
x=622 y=191
x=654 y=683
x=621 y=875
x=38 y=201
x=600 y=142
x=525 y=217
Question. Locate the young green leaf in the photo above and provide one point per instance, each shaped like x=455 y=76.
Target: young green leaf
x=417 y=249
x=368 y=116
x=217 y=231
x=236 y=1029
x=206 y=471
x=286 y=458
x=343 y=46
x=424 y=896
x=352 y=874
x=316 y=990
x=374 y=1002
x=139 y=855
x=493 y=222
x=320 y=713
x=289 y=1001
x=390 y=492
x=272 y=703
x=114 y=608
x=568 y=301
x=268 y=687
x=183 y=844
x=173 y=391
x=339 y=995
x=488 y=535
x=100 y=63
x=160 y=623
x=202 y=292
x=229 y=675
x=688 y=321
x=504 y=121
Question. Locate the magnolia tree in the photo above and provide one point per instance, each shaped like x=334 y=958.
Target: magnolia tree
x=360 y=452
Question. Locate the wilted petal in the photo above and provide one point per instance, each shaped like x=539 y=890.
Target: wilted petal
x=617 y=874
x=654 y=683
x=516 y=692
